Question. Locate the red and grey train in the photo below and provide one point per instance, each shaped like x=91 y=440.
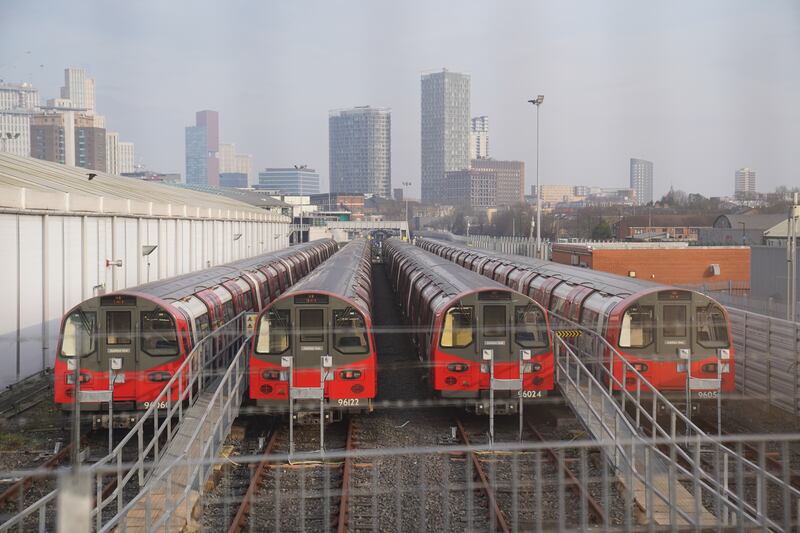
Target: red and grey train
x=322 y=327
x=152 y=328
x=459 y=317
x=646 y=322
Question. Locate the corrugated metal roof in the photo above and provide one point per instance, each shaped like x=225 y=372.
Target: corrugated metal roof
x=31 y=184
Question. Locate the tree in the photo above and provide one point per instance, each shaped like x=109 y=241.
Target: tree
x=602 y=231
x=459 y=226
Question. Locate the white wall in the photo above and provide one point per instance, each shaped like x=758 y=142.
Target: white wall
x=50 y=263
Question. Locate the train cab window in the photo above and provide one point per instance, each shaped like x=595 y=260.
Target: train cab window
x=118 y=327
x=637 y=327
x=530 y=329
x=457 y=331
x=349 y=332
x=312 y=325
x=494 y=321
x=711 y=327
x=674 y=320
x=80 y=330
x=273 y=333
x=159 y=337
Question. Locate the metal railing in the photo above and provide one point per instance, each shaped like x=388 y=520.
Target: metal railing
x=767 y=359
x=164 y=416
x=195 y=461
x=617 y=402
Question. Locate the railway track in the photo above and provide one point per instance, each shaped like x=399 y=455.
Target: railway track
x=299 y=496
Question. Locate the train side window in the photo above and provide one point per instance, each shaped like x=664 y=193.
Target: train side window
x=349 y=332
x=248 y=301
x=712 y=328
x=312 y=325
x=80 y=330
x=530 y=329
x=159 y=336
x=201 y=324
x=227 y=310
x=457 y=331
x=494 y=321
x=118 y=327
x=674 y=320
x=273 y=333
x=637 y=327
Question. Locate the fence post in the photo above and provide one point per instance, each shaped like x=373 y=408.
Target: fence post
x=74 y=503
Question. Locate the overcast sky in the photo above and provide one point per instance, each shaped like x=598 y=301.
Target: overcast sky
x=700 y=88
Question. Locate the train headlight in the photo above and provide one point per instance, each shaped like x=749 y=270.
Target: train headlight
x=70 y=378
x=529 y=368
x=271 y=375
x=457 y=367
x=640 y=367
x=158 y=377
x=350 y=374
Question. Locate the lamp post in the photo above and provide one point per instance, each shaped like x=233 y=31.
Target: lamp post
x=744 y=235
x=537 y=102
x=405 y=196
x=298 y=168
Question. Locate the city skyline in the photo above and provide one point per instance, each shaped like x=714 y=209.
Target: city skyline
x=675 y=93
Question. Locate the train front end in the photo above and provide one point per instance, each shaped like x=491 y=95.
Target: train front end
x=320 y=349
x=680 y=341
x=492 y=339
x=127 y=336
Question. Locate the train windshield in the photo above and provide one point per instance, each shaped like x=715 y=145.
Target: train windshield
x=159 y=337
x=349 y=332
x=530 y=328
x=638 y=324
x=80 y=330
x=457 y=331
x=273 y=332
x=711 y=327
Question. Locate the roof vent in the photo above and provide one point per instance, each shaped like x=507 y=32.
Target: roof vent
x=714 y=268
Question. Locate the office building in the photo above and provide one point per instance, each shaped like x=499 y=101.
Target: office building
x=554 y=194
x=79 y=89
x=641 y=176
x=745 y=182
x=471 y=187
x=290 y=180
x=90 y=144
x=231 y=162
x=360 y=150
x=445 y=126
x=233 y=179
x=125 y=158
x=202 y=145
x=18 y=102
x=479 y=138
x=53 y=137
x=510 y=179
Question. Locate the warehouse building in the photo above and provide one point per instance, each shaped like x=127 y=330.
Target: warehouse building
x=65 y=237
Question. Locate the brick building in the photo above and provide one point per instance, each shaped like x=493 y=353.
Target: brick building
x=473 y=188
x=510 y=179
x=717 y=267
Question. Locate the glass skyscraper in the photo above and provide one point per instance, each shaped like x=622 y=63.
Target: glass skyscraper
x=445 y=128
x=202 y=145
x=360 y=150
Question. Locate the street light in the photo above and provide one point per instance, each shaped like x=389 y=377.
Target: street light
x=298 y=168
x=537 y=102
x=405 y=196
x=744 y=235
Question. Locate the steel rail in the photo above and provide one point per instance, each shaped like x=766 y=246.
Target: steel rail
x=572 y=481
x=485 y=485
x=244 y=507
x=23 y=483
x=347 y=465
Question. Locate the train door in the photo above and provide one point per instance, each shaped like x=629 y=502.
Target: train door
x=118 y=339
x=493 y=330
x=673 y=331
x=311 y=341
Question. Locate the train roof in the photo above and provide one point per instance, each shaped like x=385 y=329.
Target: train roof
x=178 y=287
x=605 y=282
x=338 y=275
x=448 y=276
